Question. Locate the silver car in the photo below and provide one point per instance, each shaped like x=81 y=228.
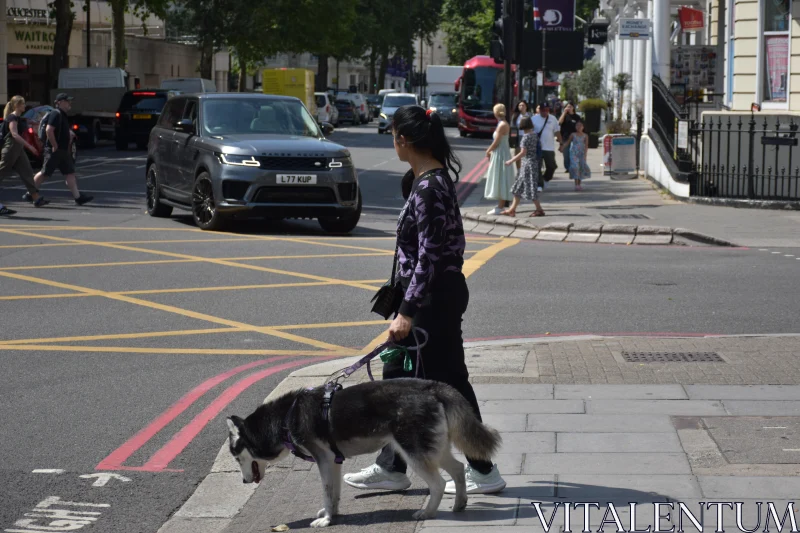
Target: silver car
x=224 y=156
x=391 y=103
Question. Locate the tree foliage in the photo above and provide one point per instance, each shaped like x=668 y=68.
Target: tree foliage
x=589 y=82
x=468 y=28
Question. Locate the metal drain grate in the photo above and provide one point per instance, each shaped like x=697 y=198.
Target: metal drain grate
x=672 y=357
x=626 y=215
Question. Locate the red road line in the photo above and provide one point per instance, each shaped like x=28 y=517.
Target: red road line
x=476 y=170
x=161 y=459
x=120 y=455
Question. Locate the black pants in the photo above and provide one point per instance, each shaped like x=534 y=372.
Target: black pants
x=442 y=357
x=550 y=165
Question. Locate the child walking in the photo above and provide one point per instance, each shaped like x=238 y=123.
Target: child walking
x=578 y=144
x=527 y=182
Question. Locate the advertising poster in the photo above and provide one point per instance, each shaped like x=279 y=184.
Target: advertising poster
x=693 y=71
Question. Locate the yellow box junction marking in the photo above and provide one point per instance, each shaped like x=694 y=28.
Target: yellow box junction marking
x=470 y=267
x=184 y=312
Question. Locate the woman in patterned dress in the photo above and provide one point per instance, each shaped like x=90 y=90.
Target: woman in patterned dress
x=430 y=257
x=578 y=144
x=528 y=177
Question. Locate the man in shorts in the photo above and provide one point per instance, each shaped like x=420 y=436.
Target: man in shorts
x=57 y=155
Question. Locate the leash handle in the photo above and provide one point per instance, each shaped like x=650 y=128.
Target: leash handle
x=350 y=370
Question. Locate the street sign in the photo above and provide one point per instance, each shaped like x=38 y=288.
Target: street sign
x=619 y=154
x=634 y=29
x=598 y=32
x=691 y=19
x=554 y=15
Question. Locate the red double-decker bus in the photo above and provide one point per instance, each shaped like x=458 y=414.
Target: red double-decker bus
x=479 y=88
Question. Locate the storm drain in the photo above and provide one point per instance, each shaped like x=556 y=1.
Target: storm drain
x=672 y=357
x=616 y=216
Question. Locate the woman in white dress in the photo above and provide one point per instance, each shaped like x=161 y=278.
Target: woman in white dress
x=499 y=177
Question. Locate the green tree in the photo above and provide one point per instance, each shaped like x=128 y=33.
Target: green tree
x=589 y=82
x=468 y=28
x=140 y=8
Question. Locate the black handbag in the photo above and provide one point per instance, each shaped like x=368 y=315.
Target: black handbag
x=390 y=296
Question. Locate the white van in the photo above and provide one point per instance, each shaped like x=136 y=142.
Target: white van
x=189 y=85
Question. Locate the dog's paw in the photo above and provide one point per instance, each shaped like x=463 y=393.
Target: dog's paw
x=459 y=505
x=321 y=513
x=423 y=515
x=321 y=522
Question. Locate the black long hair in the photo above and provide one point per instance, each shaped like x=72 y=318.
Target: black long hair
x=425 y=131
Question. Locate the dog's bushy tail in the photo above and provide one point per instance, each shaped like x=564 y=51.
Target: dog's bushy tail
x=468 y=434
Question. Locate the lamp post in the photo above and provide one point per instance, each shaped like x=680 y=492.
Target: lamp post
x=88 y=33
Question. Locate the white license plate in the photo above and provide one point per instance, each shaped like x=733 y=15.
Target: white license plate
x=296 y=179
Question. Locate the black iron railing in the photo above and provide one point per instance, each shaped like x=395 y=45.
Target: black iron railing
x=733 y=157
x=666 y=114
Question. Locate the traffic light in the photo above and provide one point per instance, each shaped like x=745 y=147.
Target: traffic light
x=507 y=30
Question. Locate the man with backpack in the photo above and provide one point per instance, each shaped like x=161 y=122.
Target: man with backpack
x=55 y=135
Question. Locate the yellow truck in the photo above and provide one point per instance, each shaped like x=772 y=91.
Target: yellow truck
x=297 y=82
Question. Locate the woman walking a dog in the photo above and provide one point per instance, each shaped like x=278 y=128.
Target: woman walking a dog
x=430 y=244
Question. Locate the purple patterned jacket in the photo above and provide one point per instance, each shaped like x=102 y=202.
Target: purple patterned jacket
x=430 y=238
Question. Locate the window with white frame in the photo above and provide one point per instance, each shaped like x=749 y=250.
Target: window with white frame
x=775 y=41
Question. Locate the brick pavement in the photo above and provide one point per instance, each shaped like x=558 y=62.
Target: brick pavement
x=578 y=424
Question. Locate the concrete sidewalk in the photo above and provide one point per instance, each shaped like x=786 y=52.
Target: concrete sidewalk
x=639 y=202
x=583 y=419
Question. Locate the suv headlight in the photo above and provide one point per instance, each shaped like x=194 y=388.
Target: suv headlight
x=383 y=115
x=341 y=162
x=433 y=109
x=239 y=160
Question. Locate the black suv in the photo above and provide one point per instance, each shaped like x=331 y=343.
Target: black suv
x=242 y=155
x=138 y=112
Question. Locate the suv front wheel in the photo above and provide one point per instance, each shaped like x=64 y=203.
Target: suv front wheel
x=345 y=223
x=204 y=208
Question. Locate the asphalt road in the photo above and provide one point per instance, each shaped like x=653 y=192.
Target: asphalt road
x=126 y=340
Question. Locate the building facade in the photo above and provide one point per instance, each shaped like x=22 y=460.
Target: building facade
x=704 y=74
x=27 y=48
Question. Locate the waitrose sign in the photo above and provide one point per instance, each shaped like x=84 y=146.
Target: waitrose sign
x=31 y=39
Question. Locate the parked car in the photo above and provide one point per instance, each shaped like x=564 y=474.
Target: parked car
x=138 y=113
x=362 y=108
x=326 y=111
x=33 y=117
x=446 y=106
x=390 y=104
x=375 y=101
x=347 y=111
x=228 y=155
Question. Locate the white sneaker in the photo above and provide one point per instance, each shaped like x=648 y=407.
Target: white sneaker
x=376 y=477
x=478 y=483
x=495 y=211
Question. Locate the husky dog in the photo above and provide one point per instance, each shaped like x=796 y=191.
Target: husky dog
x=419 y=418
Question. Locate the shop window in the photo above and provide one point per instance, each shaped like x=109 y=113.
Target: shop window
x=776 y=23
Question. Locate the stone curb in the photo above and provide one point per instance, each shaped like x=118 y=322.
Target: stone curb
x=593 y=232
x=222 y=495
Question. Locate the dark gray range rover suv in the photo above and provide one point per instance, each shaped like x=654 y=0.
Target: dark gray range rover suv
x=224 y=155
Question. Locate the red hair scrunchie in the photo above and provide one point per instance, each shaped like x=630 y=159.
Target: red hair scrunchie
x=428 y=113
